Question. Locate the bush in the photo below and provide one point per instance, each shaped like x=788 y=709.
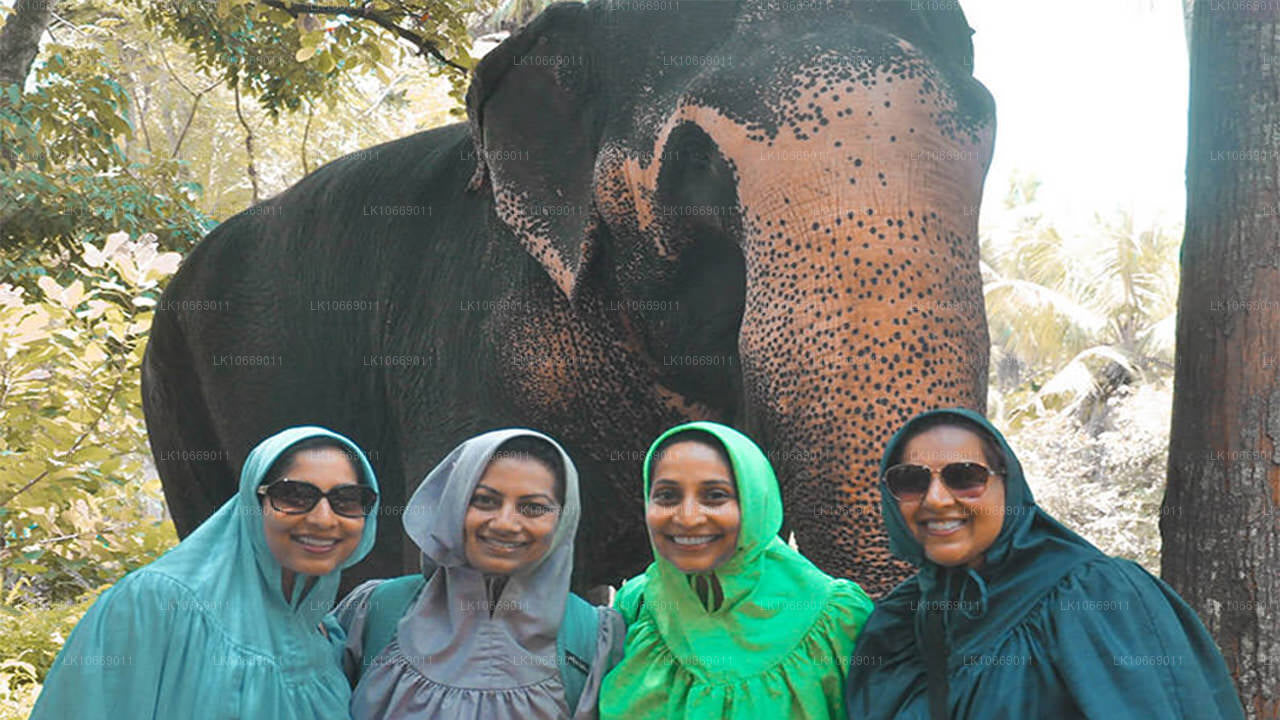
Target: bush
x=80 y=503
x=1106 y=485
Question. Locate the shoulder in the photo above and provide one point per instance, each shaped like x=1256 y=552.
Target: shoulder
x=630 y=598
x=1114 y=580
x=146 y=592
x=843 y=615
x=1113 y=601
x=611 y=636
x=847 y=593
x=356 y=604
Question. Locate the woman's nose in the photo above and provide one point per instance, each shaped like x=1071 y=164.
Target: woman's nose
x=322 y=514
x=937 y=494
x=689 y=512
x=505 y=519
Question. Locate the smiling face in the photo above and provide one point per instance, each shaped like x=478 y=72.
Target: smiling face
x=512 y=516
x=692 y=511
x=316 y=542
x=953 y=532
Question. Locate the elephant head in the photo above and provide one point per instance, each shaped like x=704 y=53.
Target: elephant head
x=783 y=194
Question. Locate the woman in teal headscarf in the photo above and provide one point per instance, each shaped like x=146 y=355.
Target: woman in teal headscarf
x=1013 y=615
x=227 y=624
x=729 y=621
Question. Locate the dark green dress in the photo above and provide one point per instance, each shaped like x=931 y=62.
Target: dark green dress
x=1049 y=628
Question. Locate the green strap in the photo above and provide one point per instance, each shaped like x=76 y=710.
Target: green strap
x=391 y=599
x=388 y=602
x=576 y=647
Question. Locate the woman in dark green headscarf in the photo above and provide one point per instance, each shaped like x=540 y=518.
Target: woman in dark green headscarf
x=1013 y=615
x=729 y=621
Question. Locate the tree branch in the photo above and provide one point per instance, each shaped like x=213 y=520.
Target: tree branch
x=248 y=146
x=425 y=47
x=306 y=131
x=93 y=426
x=195 y=101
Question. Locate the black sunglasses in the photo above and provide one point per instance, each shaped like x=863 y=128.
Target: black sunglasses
x=965 y=480
x=294 y=497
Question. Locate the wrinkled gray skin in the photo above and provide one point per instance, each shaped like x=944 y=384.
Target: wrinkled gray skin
x=758 y=213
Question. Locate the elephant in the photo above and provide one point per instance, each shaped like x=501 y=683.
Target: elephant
x=759 y=212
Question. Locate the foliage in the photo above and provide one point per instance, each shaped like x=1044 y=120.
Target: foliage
x=1081 y=365
x=79 y=502
x=290 y=54
x=30 y=638
x=65 y=177
x=1106 y=485
x=1074 y=316
x=120 y=129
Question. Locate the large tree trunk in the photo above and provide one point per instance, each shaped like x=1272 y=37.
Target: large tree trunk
x=20 y=39
x=1219 y=521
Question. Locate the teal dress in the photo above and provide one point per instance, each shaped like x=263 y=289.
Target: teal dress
x=1050 y=627
x=205 y=631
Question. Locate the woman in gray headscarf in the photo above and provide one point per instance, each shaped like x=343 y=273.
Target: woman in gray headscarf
x=488 y=629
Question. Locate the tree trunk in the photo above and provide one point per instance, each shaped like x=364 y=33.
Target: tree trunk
x=20 y=39
x=1219 y=523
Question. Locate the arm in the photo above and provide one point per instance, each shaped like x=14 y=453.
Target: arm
x=113 y=665
x=1128 y=646
x=349 y=618
x=609 y=643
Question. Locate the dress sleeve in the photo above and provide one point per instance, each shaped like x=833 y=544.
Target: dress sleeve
x=1128 y=647
x=629 y=599
x=113 y=664
x=609 y=643
x=349 y=616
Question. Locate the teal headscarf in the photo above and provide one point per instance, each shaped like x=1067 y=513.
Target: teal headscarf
x=1048 y=627
x=205 y=631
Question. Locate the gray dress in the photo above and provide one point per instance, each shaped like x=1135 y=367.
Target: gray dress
x=464 y=651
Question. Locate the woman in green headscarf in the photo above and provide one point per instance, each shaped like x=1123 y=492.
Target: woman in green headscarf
x=1013 y=615
x=728 y=621
x=228 y=623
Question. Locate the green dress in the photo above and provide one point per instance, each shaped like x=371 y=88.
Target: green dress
x=778 y=645
x=1050 y=627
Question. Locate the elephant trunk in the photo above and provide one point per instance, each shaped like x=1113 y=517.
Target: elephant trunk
x=861 y=311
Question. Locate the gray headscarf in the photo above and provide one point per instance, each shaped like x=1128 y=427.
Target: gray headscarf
x=475 y=664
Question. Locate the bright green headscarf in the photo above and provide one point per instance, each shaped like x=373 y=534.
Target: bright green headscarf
x=776 y=646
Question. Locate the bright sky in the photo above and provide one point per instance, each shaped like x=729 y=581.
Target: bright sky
x=1091 y=97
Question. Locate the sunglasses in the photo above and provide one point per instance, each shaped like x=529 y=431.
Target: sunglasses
x=294 y=497
x=965 y=480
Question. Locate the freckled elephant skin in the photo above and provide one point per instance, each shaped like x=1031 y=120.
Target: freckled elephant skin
x=763 y=213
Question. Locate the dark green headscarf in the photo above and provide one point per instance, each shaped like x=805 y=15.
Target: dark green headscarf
x=1048 y=627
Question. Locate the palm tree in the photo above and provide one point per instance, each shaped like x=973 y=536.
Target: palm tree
x=1074 y=317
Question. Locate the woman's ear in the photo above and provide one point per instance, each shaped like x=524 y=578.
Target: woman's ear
x=535 y=117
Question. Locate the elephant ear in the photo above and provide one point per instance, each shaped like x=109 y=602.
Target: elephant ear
x=534 y=124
